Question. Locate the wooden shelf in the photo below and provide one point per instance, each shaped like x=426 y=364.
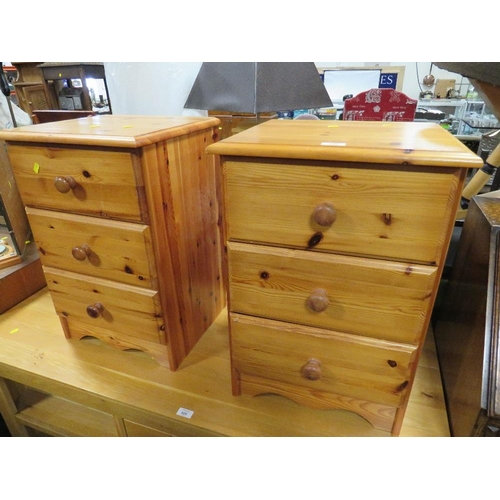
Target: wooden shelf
x=60 y=417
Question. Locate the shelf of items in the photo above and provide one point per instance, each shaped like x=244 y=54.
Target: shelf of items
x=453 y=107
x=476 y=119
x=78 y=86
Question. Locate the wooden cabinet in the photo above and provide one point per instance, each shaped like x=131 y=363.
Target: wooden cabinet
x=336 y=237
x=31 y=90
x=60 y=76
x=467 y=324
x=20 y=268
x=125 y=214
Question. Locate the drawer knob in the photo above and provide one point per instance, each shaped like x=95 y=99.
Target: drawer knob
x=318 y=300
x=324 y=214
x=65 y=184
x=95 y=310
x=312 y=369
x=81 y=252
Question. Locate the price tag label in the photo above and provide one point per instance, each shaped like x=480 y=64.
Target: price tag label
x=183 y=412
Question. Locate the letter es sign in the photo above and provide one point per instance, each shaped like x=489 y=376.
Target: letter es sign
x=388 y=80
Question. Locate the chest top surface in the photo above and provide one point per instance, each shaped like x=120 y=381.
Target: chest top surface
x=408 y=143
x=109 y=130
x=489 y=205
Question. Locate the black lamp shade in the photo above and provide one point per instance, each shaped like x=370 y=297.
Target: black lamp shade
x=256 y=87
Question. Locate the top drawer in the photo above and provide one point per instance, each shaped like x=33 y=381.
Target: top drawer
x=99 y=183
x=397 y=213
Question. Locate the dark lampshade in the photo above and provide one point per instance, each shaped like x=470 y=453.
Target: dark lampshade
x=256 y=87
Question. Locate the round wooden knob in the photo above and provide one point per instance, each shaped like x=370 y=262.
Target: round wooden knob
x=312 y=369
x=318 y=300
x=81 y=252
x=65 y=184
x=95 y=310
x=324 y=214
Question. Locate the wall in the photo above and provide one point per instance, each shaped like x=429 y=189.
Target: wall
x=151 y=88
x=161 y=88
x=412 y=86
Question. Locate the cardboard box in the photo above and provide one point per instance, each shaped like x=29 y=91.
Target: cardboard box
x=442 y=87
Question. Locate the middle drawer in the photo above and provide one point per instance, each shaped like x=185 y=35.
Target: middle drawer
x=113 y=250
x=375 y=298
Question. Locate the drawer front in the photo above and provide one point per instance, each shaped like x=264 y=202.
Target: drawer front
x=113 y=250
x=369 y=297
x=134 y=429
x=320 y=360
x=396 y=214
x=131 y=311
x=103 y=182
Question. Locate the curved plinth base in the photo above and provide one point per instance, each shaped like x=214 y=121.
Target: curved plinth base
x=380 y=416
x=158 y=352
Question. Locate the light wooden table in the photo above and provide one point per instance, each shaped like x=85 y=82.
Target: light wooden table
x=85 y=388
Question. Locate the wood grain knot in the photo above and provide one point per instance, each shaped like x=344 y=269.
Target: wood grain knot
x=387 y=219
x=315 y=239
x=401 y=387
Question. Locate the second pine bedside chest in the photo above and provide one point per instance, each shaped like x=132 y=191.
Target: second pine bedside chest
x=336 y=236
x=125 y=214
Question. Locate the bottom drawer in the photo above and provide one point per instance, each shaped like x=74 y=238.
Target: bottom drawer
x=312 y=363
x=89 y=304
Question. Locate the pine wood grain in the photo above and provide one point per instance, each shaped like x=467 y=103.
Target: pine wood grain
x=123 y=131
x=133 y=386
x=60 y=417
x=355 y=372
x=119 y=250
x=187 y=240
x=391 y=214
x=106 y=184
x=375 y=298
x=130 y=310
x=379 y=191
x=424 y=144
x=151 y=172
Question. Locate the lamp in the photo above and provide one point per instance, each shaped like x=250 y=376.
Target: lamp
x=256 y=87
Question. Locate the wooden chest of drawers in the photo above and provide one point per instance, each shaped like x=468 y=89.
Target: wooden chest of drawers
x=336 y=235
x=467 y=325
x=125 y=214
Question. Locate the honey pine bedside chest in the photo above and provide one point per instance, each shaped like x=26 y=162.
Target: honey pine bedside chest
x=125 y=214
x=336 y=237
